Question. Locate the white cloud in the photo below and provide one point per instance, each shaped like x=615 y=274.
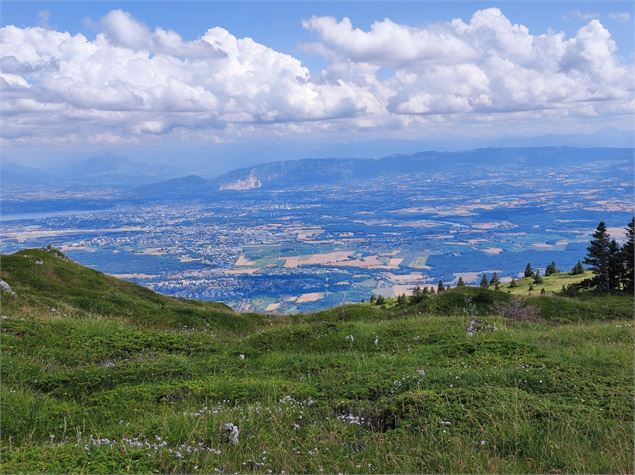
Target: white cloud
x=486 y=65
x=621 y=17
x=131 y=81
x=580 y=15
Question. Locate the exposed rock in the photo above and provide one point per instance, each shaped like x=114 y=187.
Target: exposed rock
x=476 y=326
x=233 y=433
x=6 y=287
x=248 y=183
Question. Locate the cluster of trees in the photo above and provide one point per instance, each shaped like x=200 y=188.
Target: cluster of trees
x=611 y=264
x=377 y=299
x=494 y=281
x=530 y=272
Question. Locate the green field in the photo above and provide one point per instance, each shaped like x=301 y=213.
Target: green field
x=103 y=376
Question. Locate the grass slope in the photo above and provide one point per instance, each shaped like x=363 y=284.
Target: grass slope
x=552 y=283
x=355 y=389
x=45 y=280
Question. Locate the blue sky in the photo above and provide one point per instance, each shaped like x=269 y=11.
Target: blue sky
x=398 y=76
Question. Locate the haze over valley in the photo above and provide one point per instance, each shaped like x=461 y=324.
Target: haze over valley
x=310 y=234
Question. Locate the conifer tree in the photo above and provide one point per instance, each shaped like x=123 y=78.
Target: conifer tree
x=598 y=258
x=460 y=282
x=578 y=269
x=543 y=291
x=513 y=283
x=417 y=294
x=529 y=271
x=495 y=281
x=537 y=277
x=484 y=282
x=628 y=277
x=616 y=265
x=440 y=287
x=551 y=269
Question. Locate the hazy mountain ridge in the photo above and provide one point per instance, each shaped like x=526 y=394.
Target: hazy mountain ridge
x=107 y=170
x=146 y=179
x=328 y=171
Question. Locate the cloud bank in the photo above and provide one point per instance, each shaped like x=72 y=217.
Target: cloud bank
x=132 y=82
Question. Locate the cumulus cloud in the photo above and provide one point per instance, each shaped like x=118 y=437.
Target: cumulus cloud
x=485 y=65
x=131 y=81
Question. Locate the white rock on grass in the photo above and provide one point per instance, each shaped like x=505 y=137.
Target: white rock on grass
x=6 y=287
x=233 y=433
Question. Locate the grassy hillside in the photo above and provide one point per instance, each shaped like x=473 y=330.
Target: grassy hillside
x=143 y=384
x=44 y=280
x=552 y=284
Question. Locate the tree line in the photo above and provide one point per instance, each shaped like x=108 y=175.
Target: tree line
x=611 y=265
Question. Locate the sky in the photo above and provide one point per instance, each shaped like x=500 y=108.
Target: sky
x=209 y=86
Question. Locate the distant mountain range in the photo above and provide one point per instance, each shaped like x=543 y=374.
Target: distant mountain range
x=145 y=179
x=107 y=170
x=305 y=172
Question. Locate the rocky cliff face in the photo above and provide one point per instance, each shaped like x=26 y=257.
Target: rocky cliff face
x=248 y=183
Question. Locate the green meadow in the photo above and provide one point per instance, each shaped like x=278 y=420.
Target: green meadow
x=104 y=376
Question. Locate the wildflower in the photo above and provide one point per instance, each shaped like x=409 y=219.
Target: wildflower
x=421 y=372
x=483 y=443
x=376 y=340
x=350 y=338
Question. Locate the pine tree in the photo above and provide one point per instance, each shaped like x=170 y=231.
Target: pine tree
x=440 y=287
x=495 y=281
x=543 y=291
x=537 y=277
x=529 y=271
x=628 y=277
x=578 y=269
x=380 y=300
x=373 y=298
x=598 y=258
x=417 y=294
x=513 y=283
x=616 y=265
x=460 y=282
x=551 y=269
x=484 y=282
